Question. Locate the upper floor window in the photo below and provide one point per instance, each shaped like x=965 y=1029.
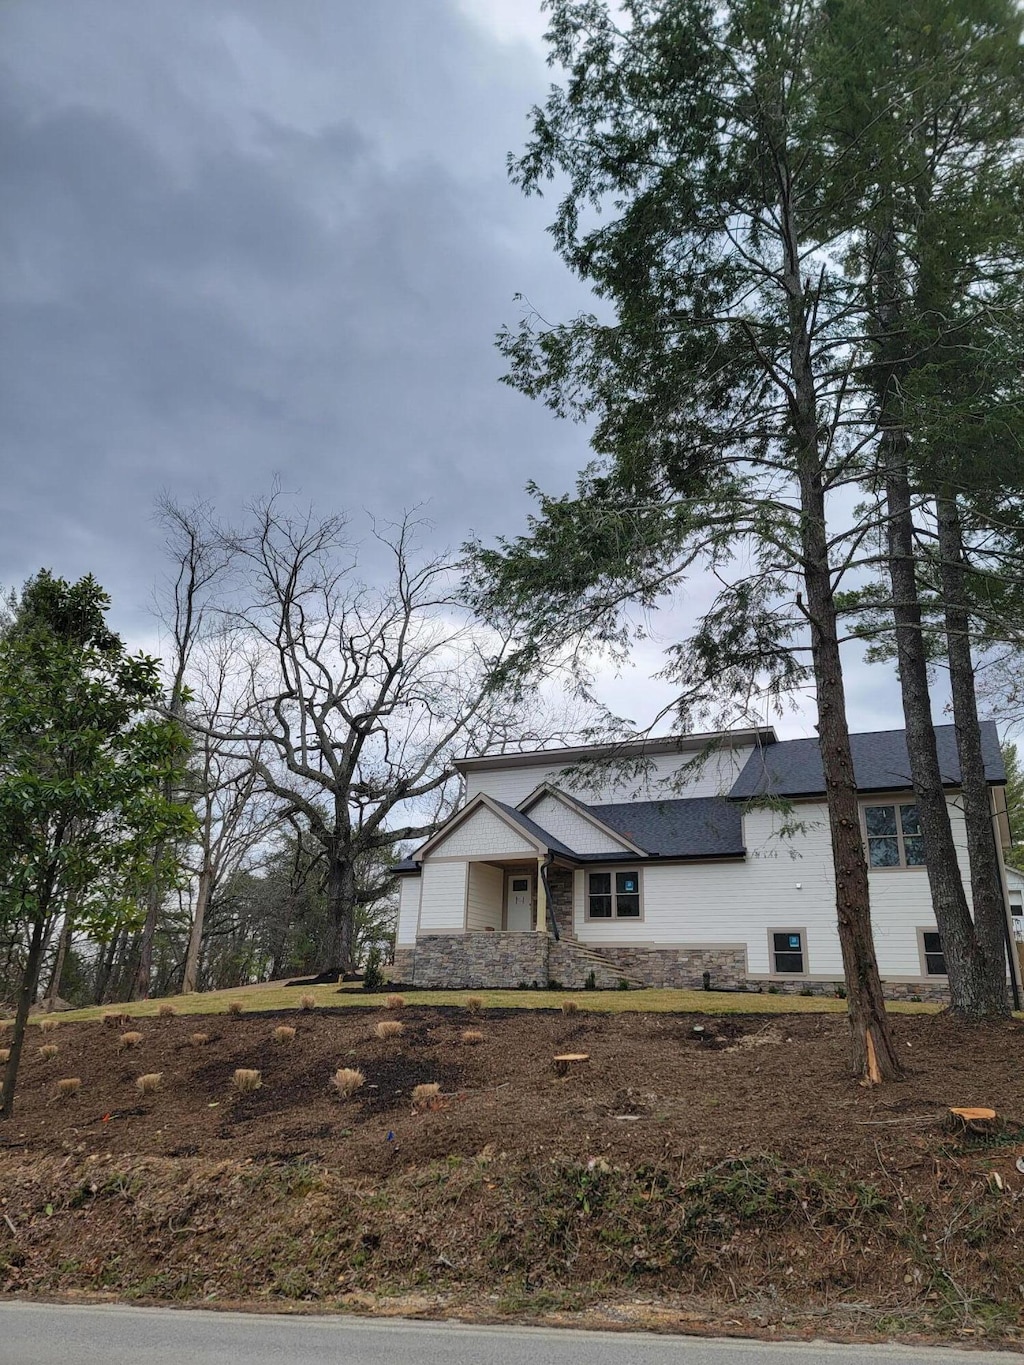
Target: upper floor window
x=894 y=835
x=613 y=895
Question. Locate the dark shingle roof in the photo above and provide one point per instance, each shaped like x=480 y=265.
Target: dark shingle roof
x=792 y=767
x=701 y=827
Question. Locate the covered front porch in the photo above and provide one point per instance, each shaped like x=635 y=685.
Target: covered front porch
x=507 y=895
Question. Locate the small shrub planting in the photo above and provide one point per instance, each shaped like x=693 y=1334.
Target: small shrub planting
x=347 y=1080
x=246 y=1081
x=151 y=1081
x=308 y=1002
x=131 y=1039
x=284 y=1033
x=5 y=1055
x=48 y=1051
x=116 y=1019
x=166 y=1010
x=68 y=1086
x=474 y=1005
x=623 y=984
x=424 y=1095
x=235 y=1007
x=569 y=1007
x=373 y=972
x=591 y=982
x=396 y=1002
x=48 y=1024
x=389 y=1029
x=472 y=1036
x=198 y=1039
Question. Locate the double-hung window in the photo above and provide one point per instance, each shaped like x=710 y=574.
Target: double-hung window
x=787 y=952
x=613 y=895
x=894 y=835
x=931 y=952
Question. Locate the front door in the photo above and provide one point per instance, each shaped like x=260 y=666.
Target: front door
x=519 y=902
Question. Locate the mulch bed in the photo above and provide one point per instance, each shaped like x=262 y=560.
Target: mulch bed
x=704 y=1084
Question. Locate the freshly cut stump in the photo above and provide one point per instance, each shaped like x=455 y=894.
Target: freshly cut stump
x=979 y=1122
x=568 y=1061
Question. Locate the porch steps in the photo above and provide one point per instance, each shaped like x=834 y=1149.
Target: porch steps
x=571 y=962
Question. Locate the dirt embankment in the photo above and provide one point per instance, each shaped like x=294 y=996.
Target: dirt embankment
x=715 y=1170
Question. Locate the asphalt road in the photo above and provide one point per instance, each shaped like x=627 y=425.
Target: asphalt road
x=45 y=1334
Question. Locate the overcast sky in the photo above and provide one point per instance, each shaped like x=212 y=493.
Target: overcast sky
x=274 y=237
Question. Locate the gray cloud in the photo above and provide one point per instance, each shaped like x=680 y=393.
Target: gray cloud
x=246 y=238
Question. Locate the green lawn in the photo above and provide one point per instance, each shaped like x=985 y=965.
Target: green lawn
x=278 y=997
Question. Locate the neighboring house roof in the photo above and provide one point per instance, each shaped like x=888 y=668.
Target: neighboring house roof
x=698 y=827
x=617 y=750
x=792 y=767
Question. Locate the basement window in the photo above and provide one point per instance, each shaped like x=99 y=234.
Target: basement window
x=787 y=952
x=613 y=895
x=932 y=956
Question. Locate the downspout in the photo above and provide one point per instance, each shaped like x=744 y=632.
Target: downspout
x=1011 y=947
x=550 y=908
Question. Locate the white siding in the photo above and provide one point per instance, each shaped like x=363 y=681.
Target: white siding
x=573 y=829
x=785 y=883
x=483 y=835
x=484 y=897
x=443 y=898
x=408 y=910
x=665 y=778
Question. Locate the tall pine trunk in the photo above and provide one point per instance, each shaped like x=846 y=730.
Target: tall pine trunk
x=873 y=1051
x=986 y=875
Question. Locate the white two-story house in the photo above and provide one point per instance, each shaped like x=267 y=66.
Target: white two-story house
x=668 y=862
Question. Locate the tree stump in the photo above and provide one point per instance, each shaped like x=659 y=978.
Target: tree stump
x=567 y=1061
x=973 y=1121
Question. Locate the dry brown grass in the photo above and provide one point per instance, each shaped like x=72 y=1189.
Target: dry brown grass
x=130 y=1039
x=570 y=1006
x=423 y=1096
x=472 y=1036
x=235 y=1007
x=284 y=1033
x=151 y=1081
x=347 y=1080
x=389 y=1029
x=246 y=1080
x=198 y=1039
x=166 y=1010
x=48 y=1051
x=396 y=1002
x=47 y=1024
x=70 y=1085
x=307 y=1002
x=474 y=1005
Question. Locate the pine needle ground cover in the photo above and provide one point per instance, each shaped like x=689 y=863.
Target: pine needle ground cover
x=702 y=1172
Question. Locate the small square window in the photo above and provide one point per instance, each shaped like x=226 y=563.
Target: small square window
x=788 y=952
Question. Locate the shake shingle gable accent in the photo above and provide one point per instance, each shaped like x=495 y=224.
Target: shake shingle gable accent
x=792 y=767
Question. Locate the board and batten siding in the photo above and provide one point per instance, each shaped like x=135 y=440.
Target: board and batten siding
x=486 y=891
x=665 y=779
x=483 y=835
x=443 y=898
x=574 y=830
x=408 y=911
x=786 y=882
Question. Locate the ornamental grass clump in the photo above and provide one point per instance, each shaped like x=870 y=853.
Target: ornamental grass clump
x=151 y=1081
x=347 y=1080
x=48 y=1051
x=116 y=1019
x=284 y=1033
x=131 y=1039
x=389 y=1029
x=569 y=1007
x=235 y=1007
x=5 y=1055
x=472 y=1036
x=198 y=1039
x=474 y=1005
x=166 y=1010
x=48 y=1024
x=396 y=1002
x=246 y=1081
x=308 y=1002
x=423 y=1096
x=68 y=1086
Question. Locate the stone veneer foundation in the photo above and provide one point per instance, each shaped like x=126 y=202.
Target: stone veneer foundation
x=502 y=960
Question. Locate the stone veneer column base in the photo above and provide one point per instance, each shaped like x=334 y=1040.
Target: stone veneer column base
x=486 y=961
